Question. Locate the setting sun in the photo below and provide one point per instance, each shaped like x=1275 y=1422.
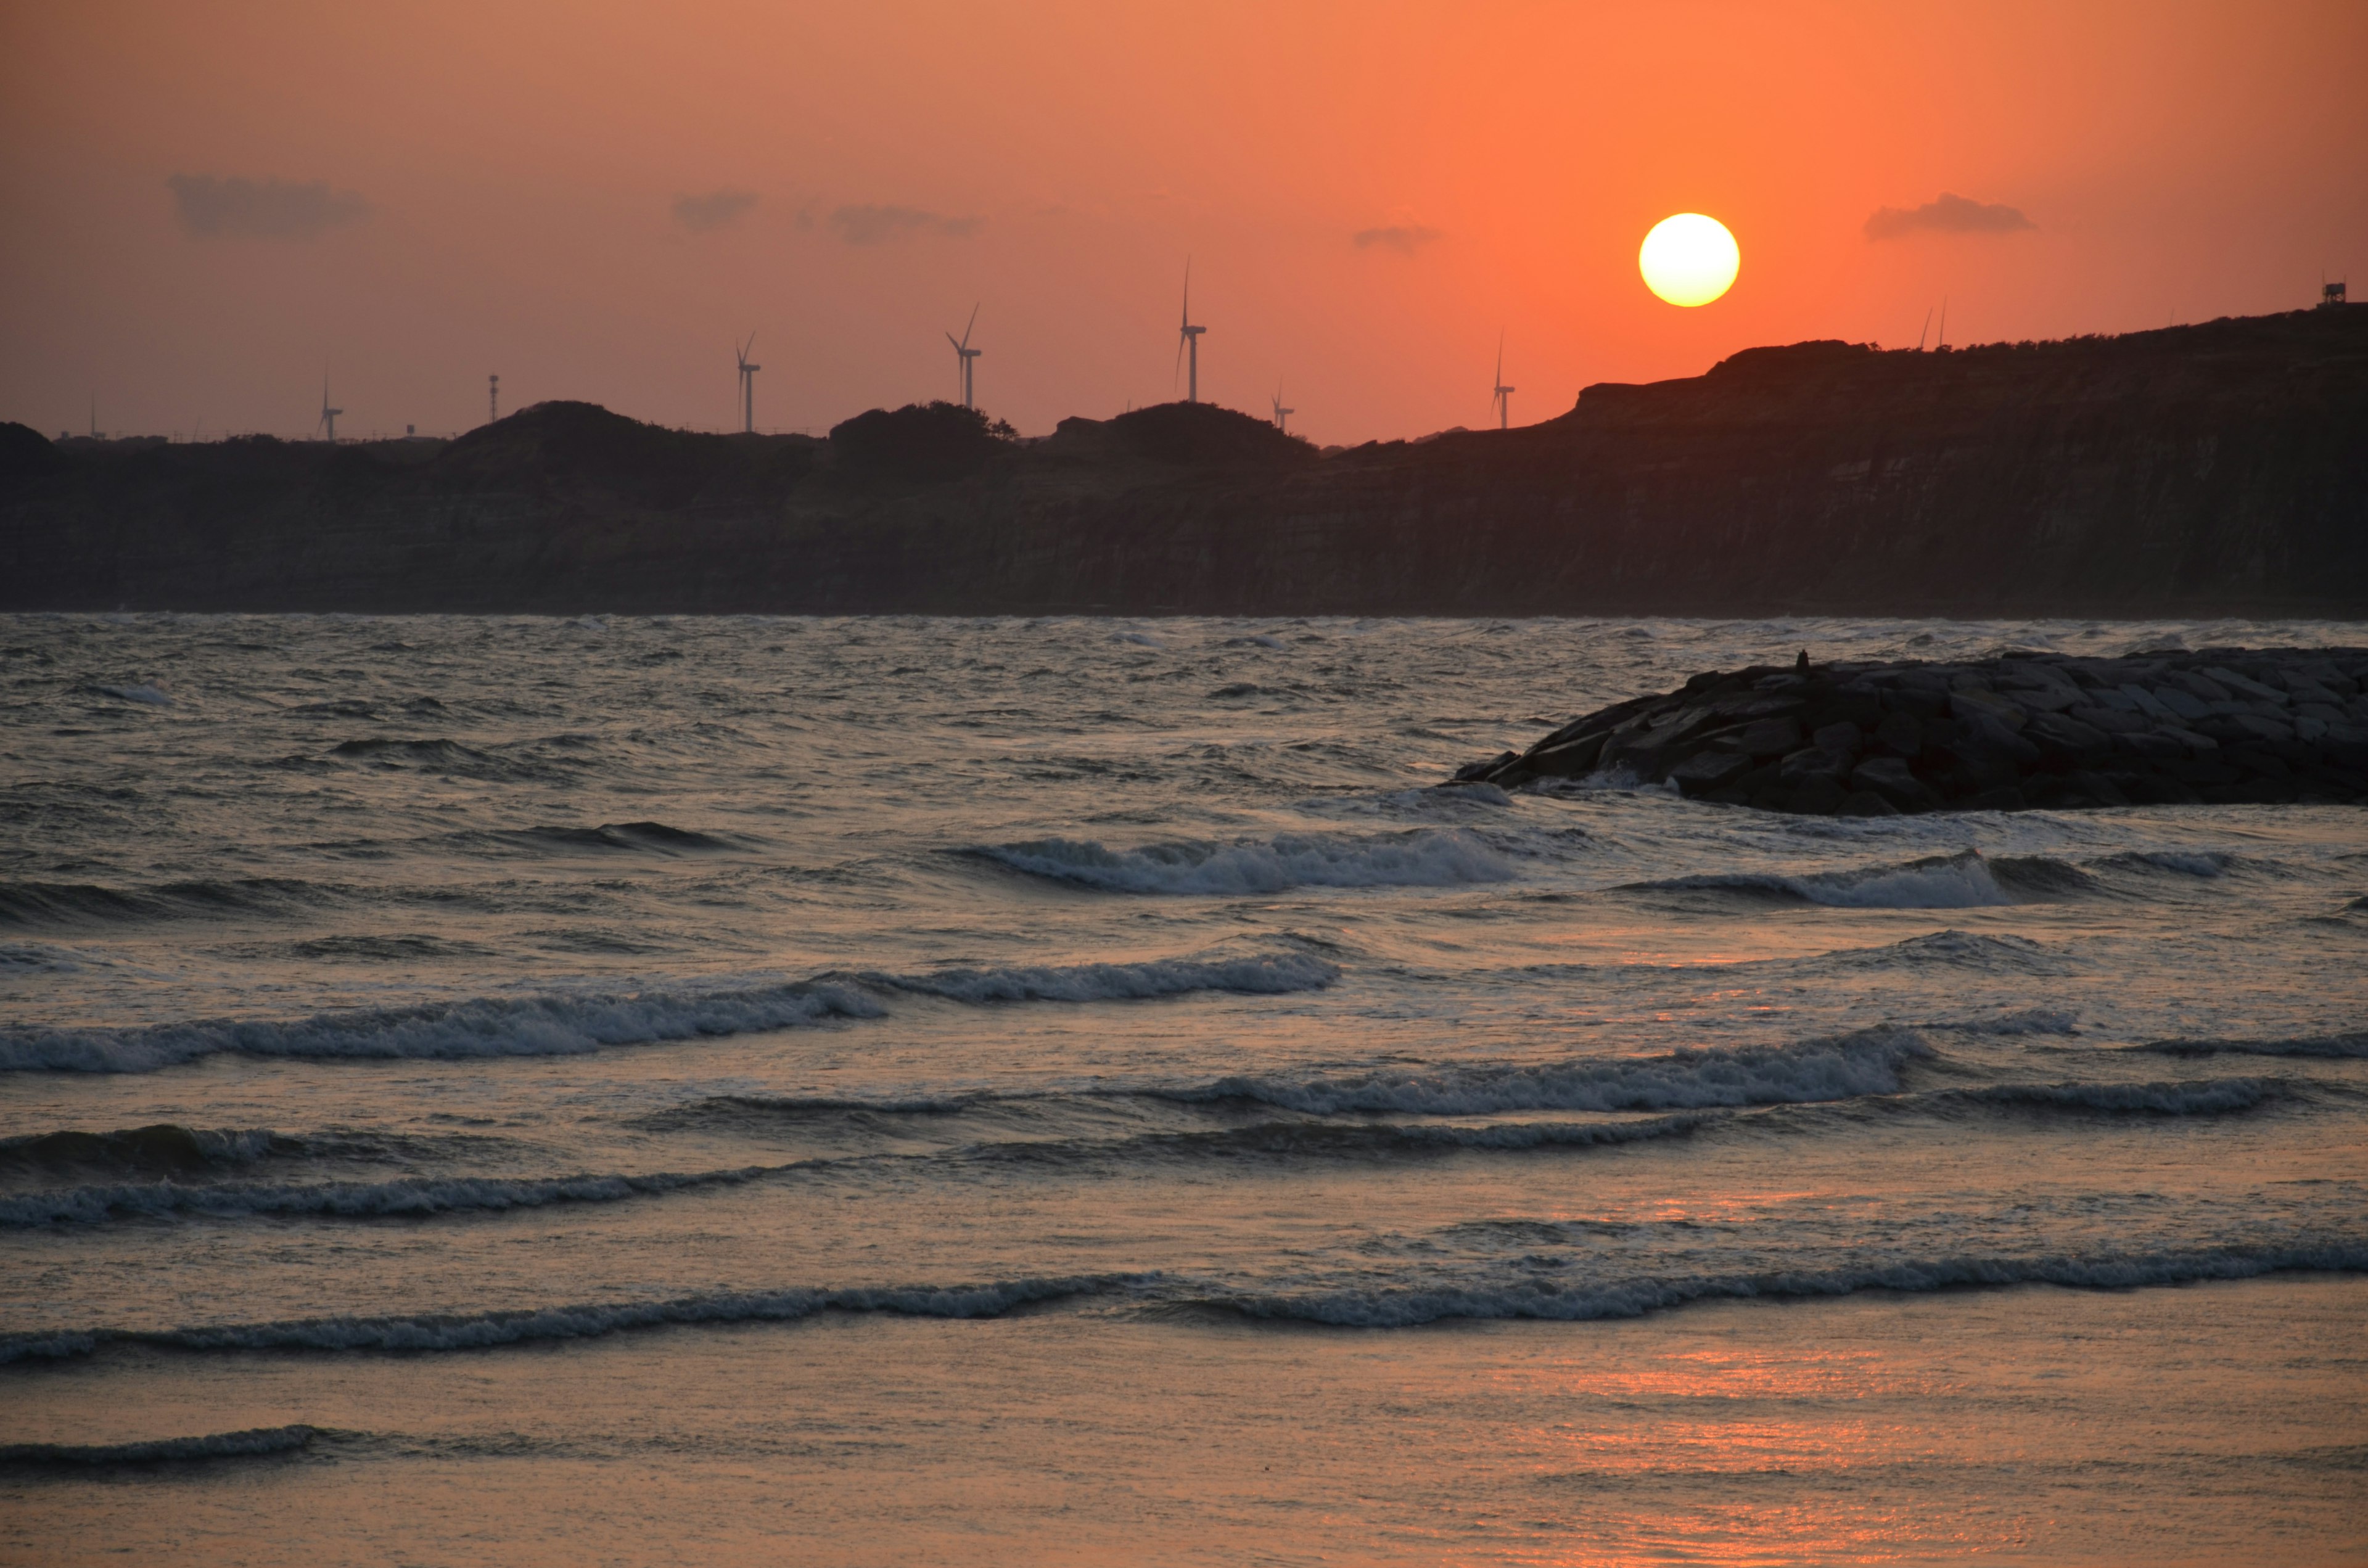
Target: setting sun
x=1689 y=260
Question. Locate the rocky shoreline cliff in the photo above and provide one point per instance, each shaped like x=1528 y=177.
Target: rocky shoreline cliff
x=2212 y=470
x=2225 y=726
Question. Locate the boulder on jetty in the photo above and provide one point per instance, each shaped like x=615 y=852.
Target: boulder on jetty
x=2225 y=726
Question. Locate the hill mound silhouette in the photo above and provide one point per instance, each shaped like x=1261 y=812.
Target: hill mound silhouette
x=920 y=443
x=569 y=446
x=1191 y=434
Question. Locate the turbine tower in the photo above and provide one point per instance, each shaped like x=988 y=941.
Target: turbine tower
x=747 y=385
x=328 y=425
x=1501 y=395
x=963 y=355
x=1190 y=339
x=1281 y=415
x=493 y=400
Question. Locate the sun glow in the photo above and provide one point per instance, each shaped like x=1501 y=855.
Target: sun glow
x=1689 y=260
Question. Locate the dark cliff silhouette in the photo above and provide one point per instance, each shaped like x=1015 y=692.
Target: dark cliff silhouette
x=2206 y=469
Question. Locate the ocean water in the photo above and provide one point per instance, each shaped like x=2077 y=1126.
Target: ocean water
x=883 y=1091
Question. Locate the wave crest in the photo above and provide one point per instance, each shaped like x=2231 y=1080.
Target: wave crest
x=477 y=1331
x=1963 y=880
x=1867 y=1062
x=1421 y=858
x=1553 y=1301
x=252 y=1443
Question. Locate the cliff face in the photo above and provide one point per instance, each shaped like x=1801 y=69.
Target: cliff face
x=2205 y=469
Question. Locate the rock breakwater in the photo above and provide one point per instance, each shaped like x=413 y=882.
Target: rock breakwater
x=2225 y=725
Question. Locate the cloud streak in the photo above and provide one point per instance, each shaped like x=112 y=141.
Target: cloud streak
x=715 y=209
x=267 y=209
x=1404 y=238
x=864 y=224
x=1949 y=214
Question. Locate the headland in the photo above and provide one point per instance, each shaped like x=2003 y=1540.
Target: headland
x=2219 y=469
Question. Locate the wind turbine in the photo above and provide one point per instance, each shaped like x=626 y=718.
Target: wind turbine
x=1501 y=395
x=747 y=385
x=1189 y=339
x=328 y=425
x=1281 y=415
x=965 y=354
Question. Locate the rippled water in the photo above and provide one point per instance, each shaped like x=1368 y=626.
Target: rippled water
x=894 y=1090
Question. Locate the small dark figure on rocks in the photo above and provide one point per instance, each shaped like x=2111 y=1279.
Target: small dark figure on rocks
x=1801 y=666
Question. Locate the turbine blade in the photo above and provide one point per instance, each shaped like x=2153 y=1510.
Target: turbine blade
x=973 y=321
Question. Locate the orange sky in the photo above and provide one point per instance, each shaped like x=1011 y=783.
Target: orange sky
x=521 y=162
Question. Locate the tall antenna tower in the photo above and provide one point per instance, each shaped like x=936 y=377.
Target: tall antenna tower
x=492 y=399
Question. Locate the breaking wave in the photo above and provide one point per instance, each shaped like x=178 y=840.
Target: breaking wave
x=1993 y=953
x=89 y=903
x=646 y=837
x=572 y=1025
x=2325 y=1046
x=1963 y=880
x=1421 y=858
x=2214 y=1096
x=1867 y=1063
x=163 y=1148
x=410 y=1198
x=1571 y=1302
x=478 y=1331
x=256 y=1442
x=1257 y=975
x=478 y=1029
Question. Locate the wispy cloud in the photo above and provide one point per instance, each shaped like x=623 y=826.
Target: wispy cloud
x=715 y=209
x=265 y=208
x=1404 y=238
x=1948 y=215
x=864 y=225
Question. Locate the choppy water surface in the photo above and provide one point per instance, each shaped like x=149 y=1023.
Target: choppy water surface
x=909 y=1090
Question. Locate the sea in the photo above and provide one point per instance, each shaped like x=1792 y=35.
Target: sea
x=1075 y=1090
